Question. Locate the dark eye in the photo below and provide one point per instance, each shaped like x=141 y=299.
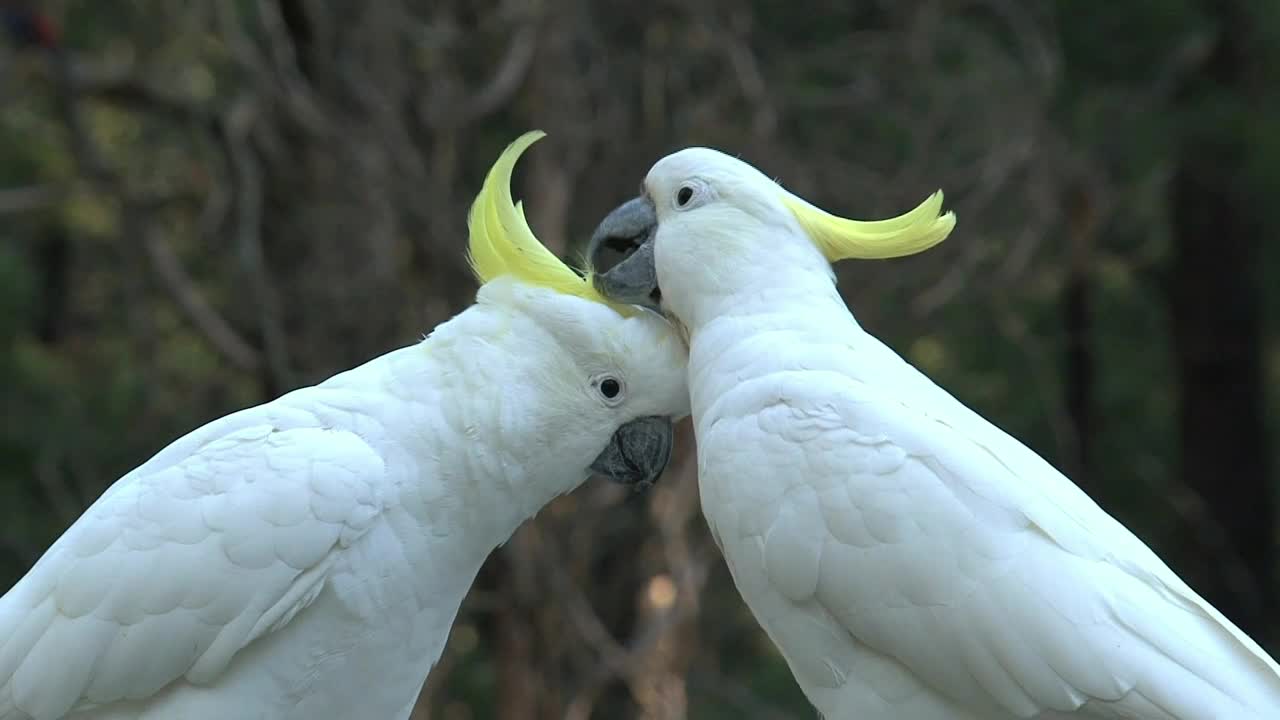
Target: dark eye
x=684 y=195
x=610 y=388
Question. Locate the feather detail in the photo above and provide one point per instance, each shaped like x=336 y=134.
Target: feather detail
x=502 y=243
x=842 y=239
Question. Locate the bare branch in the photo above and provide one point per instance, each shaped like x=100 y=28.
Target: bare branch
x=249 y=195
x=213 y=326
x=33 y=197
x=57 y=490
x=736 y=694
x=507 y=78
x=120 y=86
x=496 y=93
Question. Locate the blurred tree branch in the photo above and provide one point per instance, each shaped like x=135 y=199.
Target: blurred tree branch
x=34 y=197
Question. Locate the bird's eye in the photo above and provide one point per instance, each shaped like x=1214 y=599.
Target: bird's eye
x=609 y=388
x=684 y=195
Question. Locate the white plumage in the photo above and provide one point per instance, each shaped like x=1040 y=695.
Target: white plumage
x=305 y=559
x=910 y=560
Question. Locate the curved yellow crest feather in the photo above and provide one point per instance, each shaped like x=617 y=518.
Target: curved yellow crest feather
x=840 y=239
x=502 y=243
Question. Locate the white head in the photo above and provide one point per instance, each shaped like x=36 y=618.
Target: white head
x=607 y=381
x=707 y=226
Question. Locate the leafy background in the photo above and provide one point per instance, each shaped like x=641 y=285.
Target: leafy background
x=206 y=203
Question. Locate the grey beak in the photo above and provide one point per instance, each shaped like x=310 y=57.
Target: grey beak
x=638 y=452
x=621 y=250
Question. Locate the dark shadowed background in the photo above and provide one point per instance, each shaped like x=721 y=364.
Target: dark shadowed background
x=206 y=203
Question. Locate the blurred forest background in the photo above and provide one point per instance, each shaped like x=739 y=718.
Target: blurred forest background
x=206 y=203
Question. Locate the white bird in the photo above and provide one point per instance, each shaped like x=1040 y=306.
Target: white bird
x=910 y=560
x=305 y=559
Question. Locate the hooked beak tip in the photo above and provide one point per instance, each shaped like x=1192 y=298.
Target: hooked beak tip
x=638 y=452
x=622 y=252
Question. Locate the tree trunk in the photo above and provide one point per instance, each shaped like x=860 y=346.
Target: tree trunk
x=53 y=260
x=1215 y=315
x=1078 y=324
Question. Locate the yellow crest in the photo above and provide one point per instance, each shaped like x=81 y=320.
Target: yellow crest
x=907 y=234
x=502 y=242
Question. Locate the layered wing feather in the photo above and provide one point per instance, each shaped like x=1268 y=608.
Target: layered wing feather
x=960 y=571
x=220 y=539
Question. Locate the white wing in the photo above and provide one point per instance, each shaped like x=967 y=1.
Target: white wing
x=222 y=537
x=954 y=552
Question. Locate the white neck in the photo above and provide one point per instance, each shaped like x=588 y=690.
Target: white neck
x=451 y=417
x=792 y=321
x=796 y=322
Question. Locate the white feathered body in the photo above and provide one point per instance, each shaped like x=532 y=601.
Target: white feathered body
x=911 y=560
x=299 y=560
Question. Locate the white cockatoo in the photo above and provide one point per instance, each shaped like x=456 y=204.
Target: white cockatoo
x=910 y=560
x=304 y=559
